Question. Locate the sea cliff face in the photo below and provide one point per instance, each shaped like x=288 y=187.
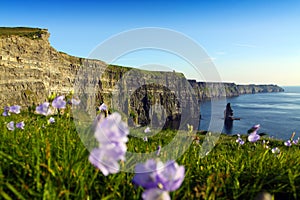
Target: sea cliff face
x=252 y=89
x=207 y=90
x=30 y=70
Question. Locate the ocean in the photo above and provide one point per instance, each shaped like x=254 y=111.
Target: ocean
x=277 y=113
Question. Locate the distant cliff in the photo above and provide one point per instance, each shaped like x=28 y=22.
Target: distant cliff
x=251 y=89
x=207 y=90
x=30 y=70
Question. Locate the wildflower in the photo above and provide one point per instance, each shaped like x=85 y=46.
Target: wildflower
x=5 y=114
x=146 y=174
x=20 y=125
x=106 y=159
x=112 y=130
x=6 y=111
x=240 y=140
x=11 y=126
x=155 y=193
x=59 y=102
x=158 y=150
x=171 y=177
x=51 y=120
x=145 y=139
x=158 y=179
x=254 y=128
x=253 y=137
x=43 y=109
x=111 y=133
x=103 y=107
x=296 y=141
x=292 y=139
x=15 y=109
x=288 y=143
x=147 y=130
x=275 y=150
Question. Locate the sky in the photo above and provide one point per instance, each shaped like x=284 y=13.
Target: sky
x=249 y=41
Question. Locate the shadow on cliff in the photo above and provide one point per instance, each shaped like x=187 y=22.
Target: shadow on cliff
x=157 y=106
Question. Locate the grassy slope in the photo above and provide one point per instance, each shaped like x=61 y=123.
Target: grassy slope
x=21 y=31
x=49 y=161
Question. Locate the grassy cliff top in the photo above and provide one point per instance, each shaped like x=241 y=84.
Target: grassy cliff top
x=22 y=31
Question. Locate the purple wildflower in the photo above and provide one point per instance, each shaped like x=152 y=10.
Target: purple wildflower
x=145 y=139
x=6 y=111
x=6 y=108
x=43 y=109
x=59 y=102
x=106 y=159
x=147 y=130
x=20 y=125
x=158 y=150
x=288 y=143
x=112 y=130
x=275 y=150
x=146 y=174
x=158 y=178
x=103 y=107
x=11 y=126
x=171 y=177
x=15 y=109
x=155 y=193
x=254 y=128
x=296 y=141
x=5 y=114
x=51 y=120
x=253 y=137
x=240 y=140
x=111 y=133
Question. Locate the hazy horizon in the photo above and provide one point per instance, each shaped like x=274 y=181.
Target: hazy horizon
x=249 y=42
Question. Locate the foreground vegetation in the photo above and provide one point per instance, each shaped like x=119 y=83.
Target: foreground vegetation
x=48 y=160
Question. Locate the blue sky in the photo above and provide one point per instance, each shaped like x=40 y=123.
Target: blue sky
x=249 y=41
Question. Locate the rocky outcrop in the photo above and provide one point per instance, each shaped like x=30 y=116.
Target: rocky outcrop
x=30 y=70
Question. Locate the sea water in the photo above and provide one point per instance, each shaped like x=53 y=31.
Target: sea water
x=277 y=113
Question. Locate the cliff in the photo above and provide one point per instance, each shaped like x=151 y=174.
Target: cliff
x=207 y=90
x=30 y=70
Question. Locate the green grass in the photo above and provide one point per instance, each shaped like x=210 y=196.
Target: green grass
x=49 y=161
x=32 y=33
